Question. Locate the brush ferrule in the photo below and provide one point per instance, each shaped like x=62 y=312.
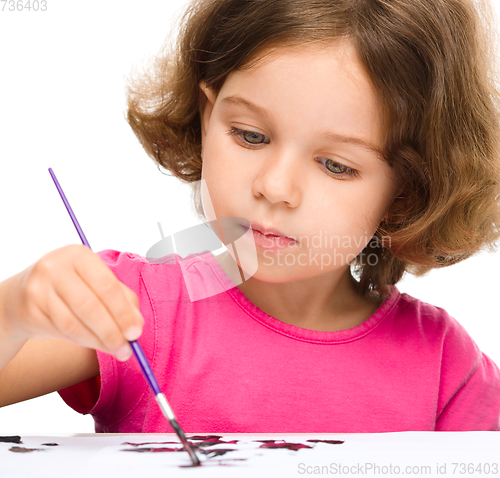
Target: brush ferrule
x=164 y=406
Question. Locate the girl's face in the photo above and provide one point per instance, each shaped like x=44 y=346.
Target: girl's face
x=291 y=144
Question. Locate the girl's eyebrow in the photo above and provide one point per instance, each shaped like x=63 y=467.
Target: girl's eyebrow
x=238 y=101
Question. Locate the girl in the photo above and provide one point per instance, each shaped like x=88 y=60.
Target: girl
x=359 y=140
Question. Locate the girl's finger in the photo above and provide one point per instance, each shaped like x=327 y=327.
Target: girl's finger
x=120 y=301
x=87 y=307
x=67 y=326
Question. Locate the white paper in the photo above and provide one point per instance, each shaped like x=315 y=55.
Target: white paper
x=390 y=454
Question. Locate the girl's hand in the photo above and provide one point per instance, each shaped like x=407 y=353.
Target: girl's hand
x=71 y=294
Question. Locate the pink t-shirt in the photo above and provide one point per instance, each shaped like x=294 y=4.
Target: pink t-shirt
x=226 y=366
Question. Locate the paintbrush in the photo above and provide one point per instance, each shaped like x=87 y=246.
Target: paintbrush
x=139 y=354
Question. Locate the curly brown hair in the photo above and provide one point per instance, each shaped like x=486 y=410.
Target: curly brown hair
x=432 y=63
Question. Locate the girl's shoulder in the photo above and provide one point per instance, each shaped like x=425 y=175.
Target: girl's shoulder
x=431 y=330
x=438 y=344
x=427 y=319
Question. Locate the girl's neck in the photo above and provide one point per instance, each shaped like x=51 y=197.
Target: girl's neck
x=323 y=303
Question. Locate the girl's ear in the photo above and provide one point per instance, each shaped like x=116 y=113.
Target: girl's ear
x=207 y=99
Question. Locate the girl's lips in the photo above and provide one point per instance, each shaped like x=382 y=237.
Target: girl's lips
x=267 y=230
x=270 y=241
x=270 y=238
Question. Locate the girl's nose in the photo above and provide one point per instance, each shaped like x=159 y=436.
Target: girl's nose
x=280 y=179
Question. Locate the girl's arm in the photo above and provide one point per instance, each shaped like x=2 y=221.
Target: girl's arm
x=73 y=304
x=31 y=368
x=45 y=366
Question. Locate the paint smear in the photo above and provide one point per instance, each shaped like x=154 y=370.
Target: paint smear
x=210 y=440
x=216 y=452
x=204 y=437
x=50 y=444
x=12 y=439
x=331 y=442
x=205 y=441
x=282 y=444
x=21 y=449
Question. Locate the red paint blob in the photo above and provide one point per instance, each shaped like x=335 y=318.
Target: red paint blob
x=284 y=444
x=331 y=442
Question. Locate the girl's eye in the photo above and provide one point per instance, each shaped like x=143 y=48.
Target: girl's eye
x=250 y=138
x=338 y=169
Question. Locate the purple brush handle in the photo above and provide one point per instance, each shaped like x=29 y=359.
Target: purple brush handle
x=141 y=358
x=139 y=354
x=146 y=368
x=70 y=211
